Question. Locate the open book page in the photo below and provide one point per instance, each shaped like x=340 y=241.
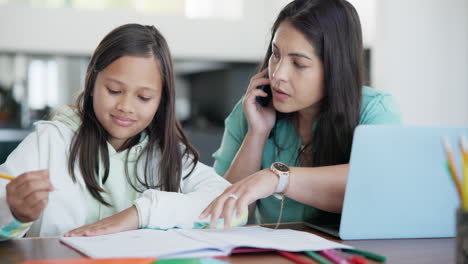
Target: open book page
x=261 y=237
x=176 y=243
x=142 y=243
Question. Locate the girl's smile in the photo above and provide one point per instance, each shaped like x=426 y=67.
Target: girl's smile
x=122 y=121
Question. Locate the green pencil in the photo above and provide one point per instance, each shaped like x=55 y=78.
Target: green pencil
x=317 y=257
x=366 y=254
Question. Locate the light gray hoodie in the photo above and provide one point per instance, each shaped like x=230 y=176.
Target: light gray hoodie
x=71 y=205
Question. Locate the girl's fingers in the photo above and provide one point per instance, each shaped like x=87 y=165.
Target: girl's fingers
x=80 y=231
x=41 y=175
x=97 y=231
x=71 y=233
x=33 y=191
x=39 y=206
x=31 y=186
x=36 y=200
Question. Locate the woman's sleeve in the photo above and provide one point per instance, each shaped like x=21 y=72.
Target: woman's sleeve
x=235 y=129
x=158 y=209
x=24 y=158
x=381 y=110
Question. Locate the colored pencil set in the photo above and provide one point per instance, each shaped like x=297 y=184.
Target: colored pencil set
x=330 y=256
x=460 y=184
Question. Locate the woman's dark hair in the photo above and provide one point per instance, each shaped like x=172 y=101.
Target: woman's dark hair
x=165 y=135
x=332 y=27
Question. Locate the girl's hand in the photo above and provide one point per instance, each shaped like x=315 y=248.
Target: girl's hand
x=28 y=195
x=123 y=221
x=239 y=195
x=260 y=119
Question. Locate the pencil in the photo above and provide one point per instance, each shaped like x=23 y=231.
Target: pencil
x=366 y=254
x=464 y=148
x=451 y=163
x=333 y=256
x=464 y=151
x=316 y=257
x=294 y=257
x=6 y=177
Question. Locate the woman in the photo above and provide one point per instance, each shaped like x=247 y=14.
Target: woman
x=314 y=64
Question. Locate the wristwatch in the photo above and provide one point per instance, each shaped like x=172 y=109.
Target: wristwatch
x=282 y=171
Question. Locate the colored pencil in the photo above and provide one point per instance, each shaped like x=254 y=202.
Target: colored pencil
x=366 y=254
x=294 y=257
x=453 y=170
x=464 y=159
x=316 y=257
x=6 y=177
x=333 y=256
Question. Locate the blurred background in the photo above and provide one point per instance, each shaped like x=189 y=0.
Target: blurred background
x=415 y=49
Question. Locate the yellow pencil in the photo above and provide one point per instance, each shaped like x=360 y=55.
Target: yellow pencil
x=464 y=151
x=6 y=177
x=464 y=148
x=453 y=171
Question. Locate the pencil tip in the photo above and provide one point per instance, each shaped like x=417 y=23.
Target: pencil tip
x=464 y=144
x=446 y=143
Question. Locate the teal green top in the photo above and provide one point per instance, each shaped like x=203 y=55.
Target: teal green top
x=377 y=107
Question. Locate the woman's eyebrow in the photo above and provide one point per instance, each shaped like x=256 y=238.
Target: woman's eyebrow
x=294 y=54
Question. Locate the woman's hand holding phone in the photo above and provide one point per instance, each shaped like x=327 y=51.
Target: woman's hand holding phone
x=259 y=118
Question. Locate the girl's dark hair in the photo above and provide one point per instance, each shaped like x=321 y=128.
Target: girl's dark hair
x=333 y=29
x=165 y=135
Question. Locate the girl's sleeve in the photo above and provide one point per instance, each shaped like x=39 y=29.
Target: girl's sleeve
x=158 y=209
x=24 y=158
x=234 y=133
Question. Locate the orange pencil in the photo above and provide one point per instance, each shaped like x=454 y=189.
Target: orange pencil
x=451 y=163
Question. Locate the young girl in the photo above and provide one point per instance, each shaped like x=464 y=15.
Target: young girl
x=119 y=161
x=314 y=64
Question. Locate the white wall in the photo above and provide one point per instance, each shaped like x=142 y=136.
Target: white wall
x=421 y=57
x=419 y=47
x=77 y=31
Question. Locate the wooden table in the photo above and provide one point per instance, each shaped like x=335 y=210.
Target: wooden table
x=401 y=251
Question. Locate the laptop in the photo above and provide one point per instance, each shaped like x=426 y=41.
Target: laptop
x=398 y=184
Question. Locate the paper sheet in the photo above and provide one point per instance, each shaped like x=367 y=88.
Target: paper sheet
x=195 y=242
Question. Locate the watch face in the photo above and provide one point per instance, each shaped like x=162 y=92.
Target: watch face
x=281 y=167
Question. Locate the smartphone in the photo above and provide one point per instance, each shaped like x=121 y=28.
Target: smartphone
x=264 y=101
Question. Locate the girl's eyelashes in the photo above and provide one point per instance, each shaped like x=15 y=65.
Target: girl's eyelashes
x=144 y=99
x=111 y=91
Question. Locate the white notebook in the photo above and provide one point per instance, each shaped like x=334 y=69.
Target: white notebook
x=178 y=243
